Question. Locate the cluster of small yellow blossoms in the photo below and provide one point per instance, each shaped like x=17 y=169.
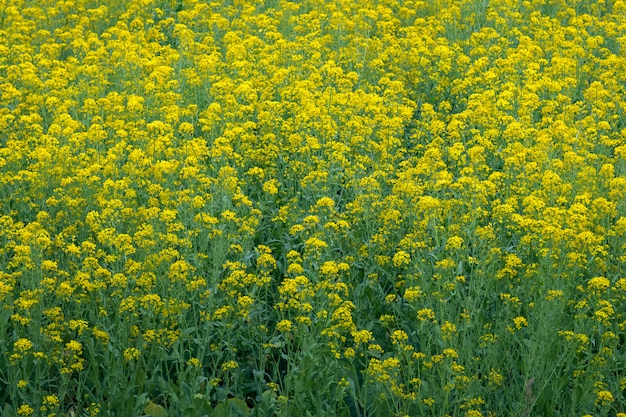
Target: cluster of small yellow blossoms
x=274 y=207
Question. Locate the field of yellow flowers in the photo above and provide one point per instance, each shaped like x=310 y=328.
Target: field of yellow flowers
x=313 y=208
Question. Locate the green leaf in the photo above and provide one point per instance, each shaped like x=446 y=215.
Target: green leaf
x=8 y=410
x=233 y=407
x=202 y=405
x=544 y=401
x=154 y=410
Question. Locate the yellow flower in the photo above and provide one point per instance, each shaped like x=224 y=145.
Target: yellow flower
x=329 y=268
x=315 y=243
x=245 y=301
x=101 y=335
x=74 y=346
x=325 y=202
x=401 y=258
x=604 y=397
x=519 y=323
x=455 y=242
x=284 y=326
x=399 y=336
x=51 y=401
x=186 y=128
x=426 y=314
x=450 y=353
x=25 y=410
x=131 y=354
x=362 y=336
x=295 y=269
x=194 y=362
x=429 y=401
x=598 y=284
x=448 y=330
x=271 y=187
x=79 y=325
x=266 y=261
x=495 y=378
x=554 y=295
x=22 y=345
x=229 y=365
x=311 y=220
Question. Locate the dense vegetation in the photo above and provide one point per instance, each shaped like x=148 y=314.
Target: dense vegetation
x=315 y=208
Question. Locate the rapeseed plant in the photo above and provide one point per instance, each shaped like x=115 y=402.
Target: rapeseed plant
x=335 y=208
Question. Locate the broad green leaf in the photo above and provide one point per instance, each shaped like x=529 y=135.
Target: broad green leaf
x=233 y=407
x=154 y=410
